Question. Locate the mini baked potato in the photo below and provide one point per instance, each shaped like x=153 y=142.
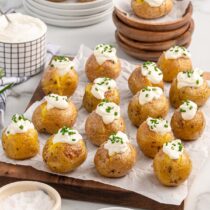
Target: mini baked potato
x=139 y=113
x=103 y=63
x=187 y=129
x=51 y=120
x=172 y=172
x=148 y=11
x=199 y=95
x=150 y=138
x=63 y=156
x=173 y=61
x=98 y=130
x=137 y=80
x=117 y=164
x=22 y=144
x=60 y=77
x=90 y=101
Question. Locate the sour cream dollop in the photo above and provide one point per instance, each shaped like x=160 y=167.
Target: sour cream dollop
x=188 y=110
x=192 y=78
x=117 y=143
x=158 y=125
x=109 y=111
x=67 y=135
x=177 y=52
x=173 y=149
x=101 y=86
x=104 y=52
x=63 y=64
x=56 y=101
x=19 y=124
x=154 y=3
x=152 y=72
x=148 y=94
x=22 y=28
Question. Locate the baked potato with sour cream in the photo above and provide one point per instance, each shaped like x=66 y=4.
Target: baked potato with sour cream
x=98 y=132
x=20 y=139
x=58 y=82
x=171 y=67
x=144 y=10
x=139 y=113
x=116 y=164
x=63 y=157
x=51 y=120
x=21 y=146
x=90 y=102
x=103 y=63
x=187 y=129
x=149 y=141
x=172 y=172
x=197 y=94
x=137 y=81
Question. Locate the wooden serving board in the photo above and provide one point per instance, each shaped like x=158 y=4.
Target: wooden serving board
x=80 y=189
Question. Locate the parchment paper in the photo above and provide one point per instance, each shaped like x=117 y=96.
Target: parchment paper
x=177 y=12
x=141 y=179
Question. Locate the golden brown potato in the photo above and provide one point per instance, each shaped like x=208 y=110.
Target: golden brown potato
x=199 y=95
x=139 y=113
x=50 y=121
x=172 y=172
x=21 y=146
x=187 y=129
x=142 y=9
x=150 y=142
x=171 y=67
x=137 y=81
x=63 y=157
x=90 y=102
x=108 y=69
x=98 y=132
x=53 y=82
x=117 y=165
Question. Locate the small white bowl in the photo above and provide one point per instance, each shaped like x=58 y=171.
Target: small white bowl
x=24 y=186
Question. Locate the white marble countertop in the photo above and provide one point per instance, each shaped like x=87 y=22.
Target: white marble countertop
x=70 y=40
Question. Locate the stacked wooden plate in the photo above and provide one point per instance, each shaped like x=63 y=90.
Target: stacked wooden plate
x=147 y=40
x=69 y=13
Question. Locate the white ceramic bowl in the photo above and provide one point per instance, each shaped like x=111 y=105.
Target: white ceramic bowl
x=24 y=186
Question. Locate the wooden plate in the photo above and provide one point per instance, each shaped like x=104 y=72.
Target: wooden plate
x=144 y=55
x=159 y=46
x=147 y=36
x=167 y=26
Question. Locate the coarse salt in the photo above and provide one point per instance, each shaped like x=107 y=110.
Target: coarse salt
x=29 y=200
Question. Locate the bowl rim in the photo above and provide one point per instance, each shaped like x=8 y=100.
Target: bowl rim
x=141 y=23
x=43 y=186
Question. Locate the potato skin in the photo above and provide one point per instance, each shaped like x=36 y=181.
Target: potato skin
x=144 y=10
x=107 y=69
x=98 y=132
x=187 y=129
x=64 y=85
x=117 y=165
x=21 y=146
x=63 y=157
x=50 y=121
x=198 y=95
x=139 y=113
x=171 y=67
x=172 y=172
x=151 y=142
x=90 y=102
x=137 y=81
